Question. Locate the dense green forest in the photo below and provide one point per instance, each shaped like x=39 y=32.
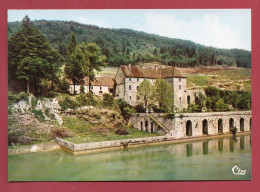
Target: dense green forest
x=124 y=46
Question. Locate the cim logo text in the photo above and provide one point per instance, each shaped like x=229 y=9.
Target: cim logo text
x=237 y=171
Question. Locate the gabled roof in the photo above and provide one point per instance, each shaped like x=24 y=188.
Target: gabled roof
x=99 y=81
x=151 y=73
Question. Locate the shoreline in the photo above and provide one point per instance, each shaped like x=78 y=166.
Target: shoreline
x=55 y=146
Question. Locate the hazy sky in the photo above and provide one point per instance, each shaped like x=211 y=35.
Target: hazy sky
x=222 y=28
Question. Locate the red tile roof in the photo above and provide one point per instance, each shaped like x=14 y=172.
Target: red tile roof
x=99 y=81
x=151 y=73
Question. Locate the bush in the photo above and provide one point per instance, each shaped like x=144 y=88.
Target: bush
x=233 y=131
x=121 y=131
x=82 y=99
x=51 y=94
x=140 y=109
x=82 y=89
x=12 y=98
x=67 y=102
x=38 y=113
x=90 y=99
x=61 y=132
x=63 y=86
x=125 y=108
x=108 y=99
x=169 y=115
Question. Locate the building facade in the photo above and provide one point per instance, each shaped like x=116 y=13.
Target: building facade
x=99 y=86
x=128 y=79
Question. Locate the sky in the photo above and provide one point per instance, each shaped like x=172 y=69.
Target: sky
x=221 y=28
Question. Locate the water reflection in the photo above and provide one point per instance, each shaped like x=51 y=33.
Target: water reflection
x=189 y=149
x=198 y=160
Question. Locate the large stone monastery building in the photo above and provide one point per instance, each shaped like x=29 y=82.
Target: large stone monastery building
x=128 y=79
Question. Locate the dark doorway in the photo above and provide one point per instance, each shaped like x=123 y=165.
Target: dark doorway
x=188 y=99
x=151 y=127
x=231 y=124
x=205 y=127
x=142 y=126
x=188 y=128
x=220 y=126
x=146 y=125
x=242 y=124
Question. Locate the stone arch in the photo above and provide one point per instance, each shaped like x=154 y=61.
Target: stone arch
x=100 y=93
x=152 y=127
x=242 y=124
x=188 y=128
x=142 y=126
x=220 y=126
x=146 y=124
x=205 y=127
x=231 y=124
x=188 y=99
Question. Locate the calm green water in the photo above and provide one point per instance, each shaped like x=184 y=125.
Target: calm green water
x=208 y=160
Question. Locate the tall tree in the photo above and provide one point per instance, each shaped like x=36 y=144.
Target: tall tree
x=31 y=57
x=163 y=95
x=95 y=61
x=145 y=92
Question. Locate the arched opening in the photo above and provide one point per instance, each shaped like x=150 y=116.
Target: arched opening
x=146 y=125
x=142 y=126
x=231 y=124
x=100 y=93
x=188 y=128
x=205 y=127
x=151 y=127
x=188 y=99
x=242 y=124
x=220 y=126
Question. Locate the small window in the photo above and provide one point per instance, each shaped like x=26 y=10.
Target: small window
x=100 y=88
x=137 y=87
x=179 y=80
x=179 y=86
x=129 y=79
x=180 y=99
x=130 y=98
x=137 y=79
x=91 y=88
x=130 y=87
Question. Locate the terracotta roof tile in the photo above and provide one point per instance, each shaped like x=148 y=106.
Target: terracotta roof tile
x=99 y=81
x=151 y=73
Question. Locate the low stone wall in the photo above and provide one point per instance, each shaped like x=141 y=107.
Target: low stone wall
x=194 y=124
x=110 y=144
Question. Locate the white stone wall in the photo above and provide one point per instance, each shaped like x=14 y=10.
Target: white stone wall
x=177 y=125
x=95 y=89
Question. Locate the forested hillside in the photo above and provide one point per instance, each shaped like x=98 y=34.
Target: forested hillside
x=124 y=46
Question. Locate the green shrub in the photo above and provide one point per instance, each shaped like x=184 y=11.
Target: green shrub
x=108 y=100
x=51 y=94
x=63 y=86
x=67 y=102
x=169 y=115
x=47 y=112
x=82 y=89
x=22 y=96
x=38 y=113
x=125 y=108
x=90 y=99
x=82 y=99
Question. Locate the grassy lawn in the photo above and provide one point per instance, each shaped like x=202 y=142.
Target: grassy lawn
x=198 y=80
x=84 y=132
x=108 y=71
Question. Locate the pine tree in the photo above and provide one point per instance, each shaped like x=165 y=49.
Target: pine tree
x=31 y=57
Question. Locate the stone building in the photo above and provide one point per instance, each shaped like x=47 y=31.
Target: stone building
x=99 y=86
x=128 y=79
